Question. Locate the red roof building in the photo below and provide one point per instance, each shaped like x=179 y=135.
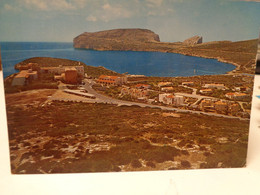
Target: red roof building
x=111 y=80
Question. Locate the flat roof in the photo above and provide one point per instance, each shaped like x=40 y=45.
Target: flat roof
x=25 y=73
x=77 y=92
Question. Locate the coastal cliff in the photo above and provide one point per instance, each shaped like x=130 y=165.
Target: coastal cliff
x=241 y=54
x=117 y=39
x=193 y=40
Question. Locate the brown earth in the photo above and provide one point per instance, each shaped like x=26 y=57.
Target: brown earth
x=63 y=137
x=29 y=97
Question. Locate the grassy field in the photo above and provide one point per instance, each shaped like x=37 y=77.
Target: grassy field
x=66 y=137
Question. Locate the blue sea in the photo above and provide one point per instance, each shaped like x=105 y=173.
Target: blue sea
x=141 y=63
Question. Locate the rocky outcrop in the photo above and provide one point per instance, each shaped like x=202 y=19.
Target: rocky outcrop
x=117 y=39
x=193 y=40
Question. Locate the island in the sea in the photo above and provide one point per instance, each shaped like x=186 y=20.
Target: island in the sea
x=65 y=116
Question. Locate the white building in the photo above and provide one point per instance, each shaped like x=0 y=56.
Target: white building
x=215 y=86
x=168 y=98
x=178 y=100
x=24 y=77
x=61 y=69
x=163 y=84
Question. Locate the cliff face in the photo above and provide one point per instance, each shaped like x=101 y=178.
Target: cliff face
x=193 y=40
x=117 y=39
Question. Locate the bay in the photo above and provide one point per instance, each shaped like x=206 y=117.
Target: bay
x=140 y=63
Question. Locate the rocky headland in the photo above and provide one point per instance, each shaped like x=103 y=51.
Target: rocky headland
x=241 y=54
x=193 y=40
x=117 y=39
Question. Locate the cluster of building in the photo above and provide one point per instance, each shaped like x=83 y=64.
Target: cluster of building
x=140 y=91
x=30 y=71
x=208 y=88
x=170 y=99
x=164 y=84
x=214 y=86
x=24 y=77
x=111 y=80
x=188 y=83
x=237 y=96
x=242 y=89
x=220 y=106
x=167 y=89
x=68 y=74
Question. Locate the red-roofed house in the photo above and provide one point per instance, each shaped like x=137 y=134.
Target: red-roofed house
x=143 y=86
x=111 y=80
x=237 y=96
x=188 y=83
x=168 y=98
x=206 y=91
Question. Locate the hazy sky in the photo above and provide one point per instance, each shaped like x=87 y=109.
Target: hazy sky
x=173 y=20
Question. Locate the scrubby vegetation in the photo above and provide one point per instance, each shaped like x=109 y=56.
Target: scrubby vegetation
x=95 y=72
x=110 y=138
x=241 y=53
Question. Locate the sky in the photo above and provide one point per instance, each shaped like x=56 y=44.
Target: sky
x=172 y=20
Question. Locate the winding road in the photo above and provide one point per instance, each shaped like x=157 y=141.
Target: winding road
x=100 y=98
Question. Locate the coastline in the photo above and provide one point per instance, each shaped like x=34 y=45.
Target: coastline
x=218 y=51
x=241 y=54
x=237 y=66
x=219 y=59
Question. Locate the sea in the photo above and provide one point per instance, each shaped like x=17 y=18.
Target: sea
x=131 y=62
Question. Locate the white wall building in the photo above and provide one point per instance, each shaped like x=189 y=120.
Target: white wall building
x=215 y=86
x=168 y=98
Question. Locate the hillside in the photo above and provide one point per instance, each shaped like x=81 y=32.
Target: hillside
x=242 y=54
x=47 y=61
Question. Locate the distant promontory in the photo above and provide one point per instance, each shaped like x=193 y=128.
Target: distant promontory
x=241 y=54
x=117 y=39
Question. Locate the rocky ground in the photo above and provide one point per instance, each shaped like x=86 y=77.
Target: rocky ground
x=63 y=137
